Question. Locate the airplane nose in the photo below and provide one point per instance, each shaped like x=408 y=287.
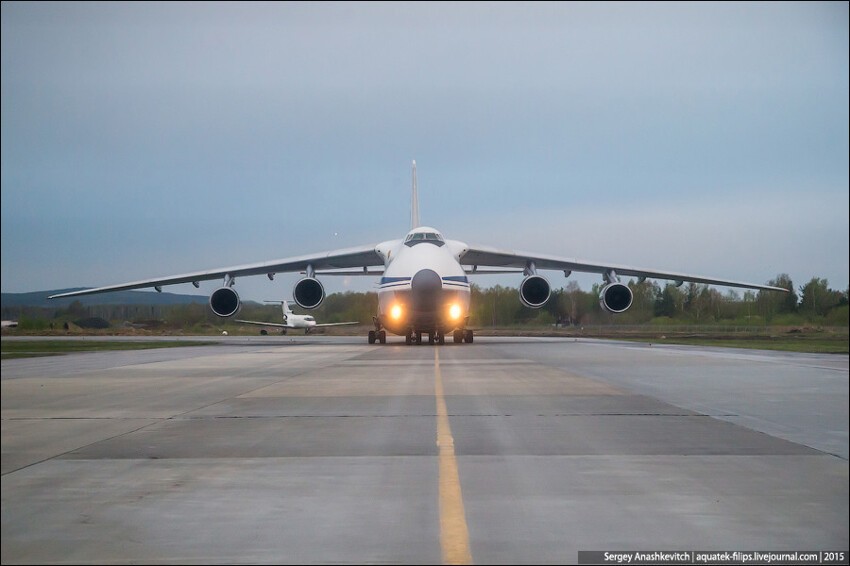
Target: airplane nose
x=426 y=281
x=426 y=286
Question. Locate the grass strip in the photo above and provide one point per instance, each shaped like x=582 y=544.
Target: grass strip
x=12 y=349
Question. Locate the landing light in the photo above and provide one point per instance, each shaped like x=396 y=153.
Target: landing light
x=454 y=312
x=395 y=312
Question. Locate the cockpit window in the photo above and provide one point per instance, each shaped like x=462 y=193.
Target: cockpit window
x=424 y=238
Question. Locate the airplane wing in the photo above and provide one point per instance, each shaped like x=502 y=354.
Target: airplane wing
x=362 y=257
x=476 y=256
x=279 y=325
x=258 y=323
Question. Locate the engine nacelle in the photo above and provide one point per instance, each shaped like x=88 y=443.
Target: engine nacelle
x=615 y=297
x=225 y=301
x=308 y=293
x=534 y=291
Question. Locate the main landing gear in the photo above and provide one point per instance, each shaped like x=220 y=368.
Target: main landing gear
x=462 y=336
x=378 y=336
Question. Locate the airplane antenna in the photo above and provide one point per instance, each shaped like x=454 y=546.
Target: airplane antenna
x=414 y=204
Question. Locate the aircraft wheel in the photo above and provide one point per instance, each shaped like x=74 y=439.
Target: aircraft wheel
x=408 y=338
x=372 y=336
x=382 y=337
x=468 y=337
x=441 y=338
x=418 y=337
x=458 y=336
x=431 y=337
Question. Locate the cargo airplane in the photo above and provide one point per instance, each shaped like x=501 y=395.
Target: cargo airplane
x=292 y=321
x=424 y=284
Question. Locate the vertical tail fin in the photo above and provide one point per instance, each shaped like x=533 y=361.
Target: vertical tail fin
x=414 y=202
x=285 y=307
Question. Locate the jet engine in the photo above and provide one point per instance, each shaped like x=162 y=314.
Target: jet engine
x=308 y=293
x=225 y=301
x=534 y=291
x=615 y=297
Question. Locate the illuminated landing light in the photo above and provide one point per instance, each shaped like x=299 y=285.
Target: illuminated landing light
x=395 y=312
x=454 y=312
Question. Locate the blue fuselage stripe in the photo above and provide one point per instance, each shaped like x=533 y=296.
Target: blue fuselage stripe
x=385 y=280
x=403 y=284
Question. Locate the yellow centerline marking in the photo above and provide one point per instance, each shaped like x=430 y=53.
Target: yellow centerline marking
x=454 y=535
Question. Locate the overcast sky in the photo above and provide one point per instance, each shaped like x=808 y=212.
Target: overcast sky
x=151 y=139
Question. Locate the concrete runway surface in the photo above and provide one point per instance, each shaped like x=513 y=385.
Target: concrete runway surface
x=509 y=450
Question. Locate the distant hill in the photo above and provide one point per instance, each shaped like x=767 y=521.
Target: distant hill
x=39 y=299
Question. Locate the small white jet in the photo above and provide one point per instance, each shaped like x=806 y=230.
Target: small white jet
x=292 y=321
x=424 y=280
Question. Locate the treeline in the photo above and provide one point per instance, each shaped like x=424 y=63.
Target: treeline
x=812 y=303
x=692 y=303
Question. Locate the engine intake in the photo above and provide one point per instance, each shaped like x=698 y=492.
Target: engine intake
x=615 y=297
x=534 y=291
x=308 y=293
x=225 y=302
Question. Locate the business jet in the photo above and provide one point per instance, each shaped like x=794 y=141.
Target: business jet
x=424 y=284
x=292 y=321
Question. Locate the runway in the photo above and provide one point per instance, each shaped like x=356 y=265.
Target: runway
x=506 y=451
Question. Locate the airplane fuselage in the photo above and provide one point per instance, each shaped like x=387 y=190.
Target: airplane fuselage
x=424 y=287
x=298 y=321
x=293 y=321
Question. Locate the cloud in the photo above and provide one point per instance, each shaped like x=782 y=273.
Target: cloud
x=141 y=139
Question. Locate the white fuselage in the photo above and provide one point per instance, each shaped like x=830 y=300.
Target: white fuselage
x=424 y=287
x=292 y=320
x=300 y=321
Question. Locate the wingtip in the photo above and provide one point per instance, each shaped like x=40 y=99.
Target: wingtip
x=61 y=295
